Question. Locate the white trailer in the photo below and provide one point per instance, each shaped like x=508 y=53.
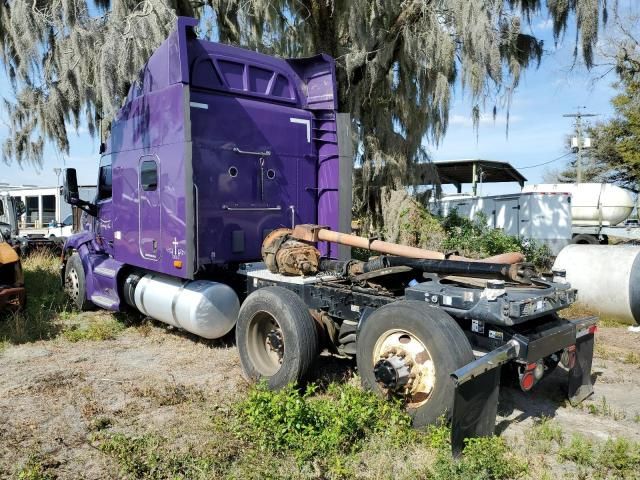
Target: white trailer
x=553 y=214
x=541 y=216
x=598 y=210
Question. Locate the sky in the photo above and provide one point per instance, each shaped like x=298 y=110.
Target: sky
x=537 y=129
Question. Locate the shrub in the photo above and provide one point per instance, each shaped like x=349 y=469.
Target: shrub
x=475 y=238
x=579 y=450
x=292 y=421
x=621 y=457
x=485 y=458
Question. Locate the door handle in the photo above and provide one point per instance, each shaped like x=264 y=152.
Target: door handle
x=252 y=209
x=266 y=153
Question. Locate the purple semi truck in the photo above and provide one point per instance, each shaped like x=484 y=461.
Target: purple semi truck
x=218 y=170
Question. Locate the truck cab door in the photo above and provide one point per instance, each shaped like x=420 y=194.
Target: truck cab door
x=149 y=219
x=103 y=223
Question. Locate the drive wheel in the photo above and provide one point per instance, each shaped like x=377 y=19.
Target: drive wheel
x=75 y=283
x=407 y=350
x=276 y=337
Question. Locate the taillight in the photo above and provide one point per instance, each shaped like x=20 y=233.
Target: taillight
x=593 y=329
x=527 y=380
x=530 y=374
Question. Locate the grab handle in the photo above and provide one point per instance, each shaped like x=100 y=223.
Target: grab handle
x=266 y=153
x=252 y=209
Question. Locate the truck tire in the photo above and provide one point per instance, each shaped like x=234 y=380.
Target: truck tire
x=276 y=337
x=584 y=239
x=408 y=339
x=75 y=283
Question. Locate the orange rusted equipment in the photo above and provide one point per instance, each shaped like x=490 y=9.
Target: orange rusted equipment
x=283 y=254
x=316 y=233
x=12 y=293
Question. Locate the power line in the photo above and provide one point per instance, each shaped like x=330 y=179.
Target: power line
x=528 y=166
x=545 y=163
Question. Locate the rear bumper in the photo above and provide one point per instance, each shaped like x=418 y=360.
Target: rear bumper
x=12 y=299
x=477 y=384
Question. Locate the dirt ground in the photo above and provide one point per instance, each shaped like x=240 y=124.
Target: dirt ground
x=55 y=393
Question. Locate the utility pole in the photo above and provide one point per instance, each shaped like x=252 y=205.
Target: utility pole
x=580 y=139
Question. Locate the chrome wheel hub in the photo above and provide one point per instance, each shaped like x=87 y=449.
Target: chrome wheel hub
x=72 y=285
x=403 y=367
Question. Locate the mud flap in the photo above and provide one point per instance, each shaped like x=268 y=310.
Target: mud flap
x=475 y=406
x=580 y=386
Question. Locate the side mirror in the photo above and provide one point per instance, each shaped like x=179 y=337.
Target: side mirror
x=70 y=187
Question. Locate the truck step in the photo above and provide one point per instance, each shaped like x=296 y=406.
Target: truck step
x=105 y=272
x=105 y=302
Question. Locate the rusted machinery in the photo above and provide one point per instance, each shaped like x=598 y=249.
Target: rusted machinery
x=290 y=252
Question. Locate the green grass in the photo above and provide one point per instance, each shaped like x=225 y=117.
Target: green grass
x=148 y=457
x=578 y=310
x=615 y=458
x=603 y=409
x=544 y=435
x=610 y=322
x=343 y=432
x=484 y=458
x=308 y=426
x=632 y=358
x=619 y=458
x=103 y=327
x=49 y=314
x=34 y=469
x=579 y=451
x=45 y=302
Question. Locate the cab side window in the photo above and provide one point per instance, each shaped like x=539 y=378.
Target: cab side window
x=104 y=178
x=149 y=175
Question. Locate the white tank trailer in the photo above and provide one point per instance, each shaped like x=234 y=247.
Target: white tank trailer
x=592 y=203
x=607 y=278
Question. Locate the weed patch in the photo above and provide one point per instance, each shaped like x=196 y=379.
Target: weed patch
x=295 y=422
x=171 y=394
x=603 y=409
x=544 y=434
x=632 y=358
x=148 y=457
x=34 y=469
x=45 y=302
x=102 y=327
x=477 y=239
x=579 y=450
x=483 y=458
x=620 y=457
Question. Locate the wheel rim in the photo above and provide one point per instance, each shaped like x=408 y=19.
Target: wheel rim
x=73 y=284
x=403 y=367
x=265 y=343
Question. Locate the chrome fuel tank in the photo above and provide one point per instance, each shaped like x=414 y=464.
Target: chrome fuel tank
x=207 y=309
